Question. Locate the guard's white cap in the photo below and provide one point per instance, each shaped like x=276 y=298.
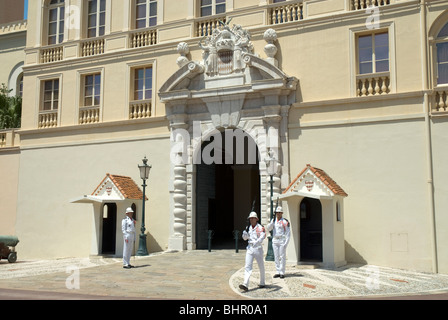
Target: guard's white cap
x=253 y=214
x=279 y=209
x=129 y=210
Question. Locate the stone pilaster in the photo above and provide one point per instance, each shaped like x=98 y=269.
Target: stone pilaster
x=178 y=233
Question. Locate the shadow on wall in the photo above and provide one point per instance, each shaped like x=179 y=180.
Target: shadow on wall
x=152 y=244
x=353 y=256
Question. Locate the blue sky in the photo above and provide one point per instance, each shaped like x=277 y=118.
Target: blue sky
x=25 y=13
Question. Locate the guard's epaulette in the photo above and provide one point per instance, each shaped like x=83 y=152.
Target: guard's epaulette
x=287 y=221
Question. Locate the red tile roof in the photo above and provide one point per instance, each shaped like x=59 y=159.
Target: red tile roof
x=128 y=188
x=322 y=176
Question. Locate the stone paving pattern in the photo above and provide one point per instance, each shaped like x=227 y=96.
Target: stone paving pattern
x=215 y=275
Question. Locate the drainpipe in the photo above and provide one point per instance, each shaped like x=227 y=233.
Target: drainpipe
x=426 y=107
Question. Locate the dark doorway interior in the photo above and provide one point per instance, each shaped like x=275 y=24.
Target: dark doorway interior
x=109 y=228
x=225 y=193
x=310 y=230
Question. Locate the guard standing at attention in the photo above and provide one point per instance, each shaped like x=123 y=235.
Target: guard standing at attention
x=255 y=234
x=128 y=228
x=280 y=240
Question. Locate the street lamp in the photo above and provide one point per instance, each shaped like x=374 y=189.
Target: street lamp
x=144 y=174
x=271 y=168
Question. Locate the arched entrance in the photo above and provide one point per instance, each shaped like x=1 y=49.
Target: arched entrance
x=227 y=185
x=310 y=230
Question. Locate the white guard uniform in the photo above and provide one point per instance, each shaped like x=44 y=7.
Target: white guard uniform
x=280 y=239
x=128 y=228
x=255 y=236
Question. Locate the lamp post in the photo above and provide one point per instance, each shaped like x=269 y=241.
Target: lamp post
x=144 y=173
x=271 y=167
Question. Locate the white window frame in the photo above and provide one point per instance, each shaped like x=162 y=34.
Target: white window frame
x=148 y=17
x=133 y=79
x=130 y=90
x=40 y=94
x=354 y=32
x=81 y=74
x=435 y=42
x=213 y=5
x=52 y=100
x=94 y=90
x=58 y=6
x=373 y=61
x=98 y=19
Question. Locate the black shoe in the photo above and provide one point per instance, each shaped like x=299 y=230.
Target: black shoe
x=132 y=266
x=282 y=276
x=277 y=276
x=243 y=287
x=262 y=286
x=127 y=267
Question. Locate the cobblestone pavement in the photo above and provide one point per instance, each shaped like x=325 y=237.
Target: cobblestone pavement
x=204 y=275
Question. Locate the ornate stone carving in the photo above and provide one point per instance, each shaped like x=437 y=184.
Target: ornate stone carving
x=223 y=50
x=183 y=50
x=270 y=36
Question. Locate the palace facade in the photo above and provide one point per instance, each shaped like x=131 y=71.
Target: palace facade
x=348 y=96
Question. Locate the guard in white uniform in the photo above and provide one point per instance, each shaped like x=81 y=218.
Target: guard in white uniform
x=128 y=228
x=255 y=234
x=280 y=239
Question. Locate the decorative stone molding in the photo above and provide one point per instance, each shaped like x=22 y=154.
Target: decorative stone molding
x=270 y=36
x=183 y=50
x=231 y=87
x=222 y=50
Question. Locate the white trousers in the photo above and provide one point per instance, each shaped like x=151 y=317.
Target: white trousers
x=252 y=254
x=127 y=248
x=280 y=256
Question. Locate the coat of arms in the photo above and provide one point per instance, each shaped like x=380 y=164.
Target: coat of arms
x=309 y=185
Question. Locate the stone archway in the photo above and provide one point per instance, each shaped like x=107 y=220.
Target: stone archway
x=248 y=93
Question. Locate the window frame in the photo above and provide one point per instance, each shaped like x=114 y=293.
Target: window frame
x=97 y=14
x=213 y=6
x=373 y=60
x=58 y=7
x=80 y=89
x=148 y=15
x=133 y=80
x=354 y=32
x=436 y=42
x=130 y=87
x=42 y=99
x=94 y=90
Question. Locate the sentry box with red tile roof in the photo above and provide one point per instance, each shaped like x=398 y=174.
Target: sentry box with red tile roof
x=110 y=199
x=314 y=204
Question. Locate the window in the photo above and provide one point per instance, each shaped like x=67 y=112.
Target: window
x=56 y=12
x=19 y=90
x=143 y=83
x=145 y=13
x=442 y=56
x=92 y=90
x=373 y=53
x=50 y=95
x=212 y=7
x=96 y=20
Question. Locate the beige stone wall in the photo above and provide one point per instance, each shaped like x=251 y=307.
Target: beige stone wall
x=49 y=225
x=374 y=147
x=9 y=173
